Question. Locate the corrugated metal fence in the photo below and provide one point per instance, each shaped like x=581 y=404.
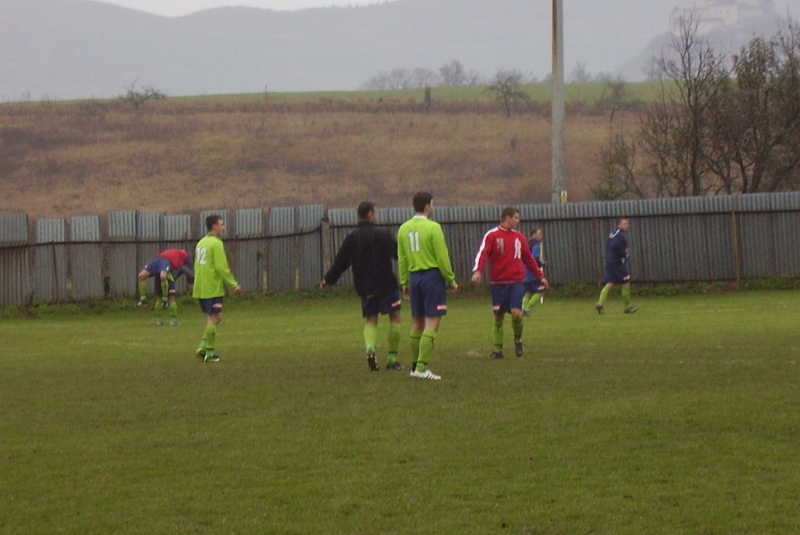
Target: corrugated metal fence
x=289 y=248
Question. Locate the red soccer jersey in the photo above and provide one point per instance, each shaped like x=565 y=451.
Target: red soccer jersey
x=176 y=257
x=508 y=252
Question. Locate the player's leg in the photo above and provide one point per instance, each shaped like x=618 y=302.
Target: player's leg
x=435 y=297
x=213 y=310
x=173 y=300
x=157 y=302
x=144 y=274
x=390 y=305
x=515 y=294
x=163 y=278
x=370 y=339
x=626 y=298
x=603 y=296
x=499 y=307
x=417 y=305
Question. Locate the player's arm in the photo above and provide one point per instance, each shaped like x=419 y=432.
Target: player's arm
x=402 y=263
x=443 y=256
x=341 y=263
x=480 y=258
x=222 y=267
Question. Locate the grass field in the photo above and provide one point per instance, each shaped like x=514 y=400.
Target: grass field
x=680 y=419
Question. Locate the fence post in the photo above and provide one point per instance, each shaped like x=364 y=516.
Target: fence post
x=327 y=243
x=737 y=252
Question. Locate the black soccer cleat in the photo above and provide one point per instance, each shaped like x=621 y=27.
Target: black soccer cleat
x=496 y=355
x=519 y=349
x=630 y=310
x=599 y=309
x=394 y=366
x=372 y=362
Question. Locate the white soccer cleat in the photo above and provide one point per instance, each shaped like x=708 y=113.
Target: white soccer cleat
x=427 y=374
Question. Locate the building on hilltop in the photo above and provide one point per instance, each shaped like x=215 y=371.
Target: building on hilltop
x=716 y=14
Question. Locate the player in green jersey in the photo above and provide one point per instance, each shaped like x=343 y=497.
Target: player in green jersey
x=425 y=273
x=211 y=273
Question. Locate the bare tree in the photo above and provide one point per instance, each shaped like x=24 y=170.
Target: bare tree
x=675 y=129
x=505 y=87
x=618 y=171
x=138 y=97
x=580 y=73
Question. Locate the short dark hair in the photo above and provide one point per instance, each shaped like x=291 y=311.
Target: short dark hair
x=212 y=220
x=421 y=200
x=508 y=211
x=364 y=209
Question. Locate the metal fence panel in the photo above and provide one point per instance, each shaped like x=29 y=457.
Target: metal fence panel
x=250 y=252
x=15 y=272
x=283 y=273
x=121 y=264
x=51 y=260
x=86 y=259
x=309 y=219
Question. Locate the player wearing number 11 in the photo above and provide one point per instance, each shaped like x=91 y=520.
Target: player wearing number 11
x=425 y=271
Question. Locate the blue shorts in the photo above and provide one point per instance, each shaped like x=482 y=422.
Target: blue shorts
x=532 y=287
x=212 y=306
x=507 y=296
x=428 y=293
x=385 y=304
x=616 y=274
x=156 y=266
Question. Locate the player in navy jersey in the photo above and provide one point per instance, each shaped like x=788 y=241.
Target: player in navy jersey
x=507 y=251
x=616 y=271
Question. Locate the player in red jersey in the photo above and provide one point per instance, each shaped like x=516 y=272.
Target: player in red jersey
x=508 y=253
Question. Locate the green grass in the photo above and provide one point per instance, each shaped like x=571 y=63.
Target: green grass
x=680 y=419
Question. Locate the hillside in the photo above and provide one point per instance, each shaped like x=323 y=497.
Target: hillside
x=63 y=49
x=91 y=157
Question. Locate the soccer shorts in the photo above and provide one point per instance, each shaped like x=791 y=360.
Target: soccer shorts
x=212 y=306
x=428 y=293
x=616 y=273
x=532 y=287
x=385 y=304
x=156 y=266
x=507 y=296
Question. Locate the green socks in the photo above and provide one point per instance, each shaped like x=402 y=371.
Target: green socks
x=142 y=290
x=516 y=324
x=497 y=335
x=604 y=294
x=208 y=336
x=414 y=340
x=626 y=295
x=370 y=336
x=394 y=341
x=426 y=343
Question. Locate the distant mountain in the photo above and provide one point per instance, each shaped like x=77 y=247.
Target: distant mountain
x=79 y=48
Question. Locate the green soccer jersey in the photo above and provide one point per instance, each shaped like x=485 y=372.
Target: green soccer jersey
x=211 y=269
x=421 y=246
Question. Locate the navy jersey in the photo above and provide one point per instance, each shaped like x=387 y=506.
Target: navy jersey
x=617 y=247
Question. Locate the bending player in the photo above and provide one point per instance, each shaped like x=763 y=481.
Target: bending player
x=165 y=268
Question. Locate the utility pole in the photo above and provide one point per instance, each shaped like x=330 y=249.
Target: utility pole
x=557 y=105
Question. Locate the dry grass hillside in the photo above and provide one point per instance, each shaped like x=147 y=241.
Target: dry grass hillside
x=64 y=159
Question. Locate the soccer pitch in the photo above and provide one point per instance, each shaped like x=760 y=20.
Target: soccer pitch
x=682 y=418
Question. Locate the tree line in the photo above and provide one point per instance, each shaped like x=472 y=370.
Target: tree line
x=722 y=123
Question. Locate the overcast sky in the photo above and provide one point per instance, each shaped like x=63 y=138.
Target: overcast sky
x=174 y=8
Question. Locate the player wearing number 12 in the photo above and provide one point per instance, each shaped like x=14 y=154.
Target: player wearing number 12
x=425 y=273
x=211 y=273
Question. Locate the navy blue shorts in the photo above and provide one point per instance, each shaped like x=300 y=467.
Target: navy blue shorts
x=616 y=274
x=507 y=296
x=385 y=304
x=211 y=307
x=156 y=266
x=534 y=286
x=428 y=293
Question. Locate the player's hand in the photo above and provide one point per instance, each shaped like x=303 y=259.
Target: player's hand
x=544 y=281
x=453 y=286
x=323 y=285
x=476 y=277
x=237 y=289
x=406 y=294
